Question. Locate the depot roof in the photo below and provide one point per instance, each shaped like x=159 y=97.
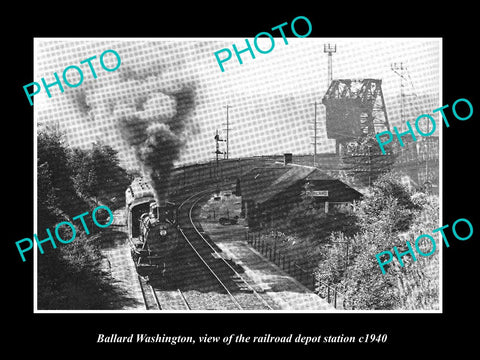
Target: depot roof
x=263 y=183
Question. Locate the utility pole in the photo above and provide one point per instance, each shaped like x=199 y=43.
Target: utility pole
x=315 y=135
x=369 y=166
x=401 y=70
x=217 y=151
x=227 y=130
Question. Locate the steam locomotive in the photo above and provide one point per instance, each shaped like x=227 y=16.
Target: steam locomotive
x=152 y=232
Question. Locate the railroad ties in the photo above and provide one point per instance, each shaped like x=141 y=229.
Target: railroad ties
x=201 y=277
x=162 y=300
x=172 y=300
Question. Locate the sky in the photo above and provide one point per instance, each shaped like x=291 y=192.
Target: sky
x=271 y=98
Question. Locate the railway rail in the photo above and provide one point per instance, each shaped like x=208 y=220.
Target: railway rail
x=162 y=300
x=236 y=287
x=204 y=279
x=149 y=296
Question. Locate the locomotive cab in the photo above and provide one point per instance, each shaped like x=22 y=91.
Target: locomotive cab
x=153 y=225
x=158 y=219
x=152 y=235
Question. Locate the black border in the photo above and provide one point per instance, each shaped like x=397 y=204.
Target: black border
x=459 y=180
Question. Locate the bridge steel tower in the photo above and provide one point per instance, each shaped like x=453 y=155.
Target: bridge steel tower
x=330 y=49
x=354 y=108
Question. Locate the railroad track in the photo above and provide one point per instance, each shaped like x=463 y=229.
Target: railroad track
x=162 y=300
x=231 y=284
x=149 y=296
x=204 y=279
x=173 y=300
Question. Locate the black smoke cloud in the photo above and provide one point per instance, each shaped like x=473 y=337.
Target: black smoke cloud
x=158 y=142
x=151 y=110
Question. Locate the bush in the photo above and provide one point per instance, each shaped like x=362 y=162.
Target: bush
x=71 y=276
x=98 y=175
x=385 y=219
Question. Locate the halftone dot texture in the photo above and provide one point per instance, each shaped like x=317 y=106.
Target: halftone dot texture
x=271 y=97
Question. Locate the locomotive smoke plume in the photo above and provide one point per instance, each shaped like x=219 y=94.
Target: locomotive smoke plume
x=158 y=141
x=158 y=133
x=151 y=110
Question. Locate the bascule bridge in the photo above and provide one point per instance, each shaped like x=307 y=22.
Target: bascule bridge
x=355 y=109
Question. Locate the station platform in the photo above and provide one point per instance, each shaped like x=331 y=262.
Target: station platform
x=285 y=291
x=119 y=264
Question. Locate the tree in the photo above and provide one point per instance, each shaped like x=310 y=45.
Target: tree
x=56 y=193
x=364 y=161
x=85 y=175
x=389 y=212
x=47 y=199
x=71 y=276
x=97 y=173
x=113 y=179
x=419 y=283
x=389 y=205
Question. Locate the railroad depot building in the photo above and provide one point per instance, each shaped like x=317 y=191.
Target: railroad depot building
x=271 y=191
